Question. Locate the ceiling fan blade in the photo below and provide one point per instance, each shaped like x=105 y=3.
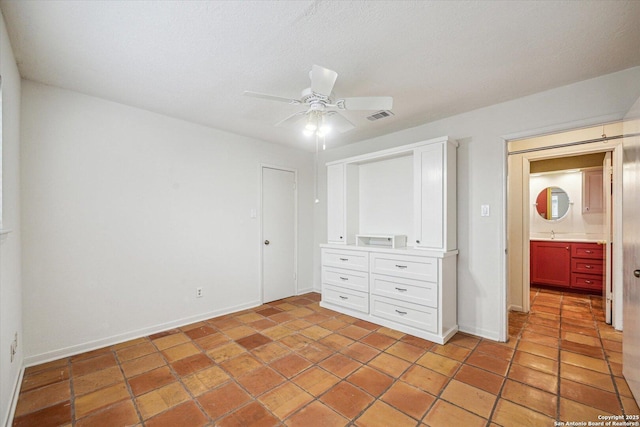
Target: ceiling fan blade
x=291 y=120
x=338 y=122
x=366 y=103
x=270 y=97
x=322 y=80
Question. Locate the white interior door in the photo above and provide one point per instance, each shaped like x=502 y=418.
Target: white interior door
x=278 y=234
x=631 y=264
x=607 y=290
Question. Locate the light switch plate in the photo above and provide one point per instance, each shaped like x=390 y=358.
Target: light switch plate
x=484 y=210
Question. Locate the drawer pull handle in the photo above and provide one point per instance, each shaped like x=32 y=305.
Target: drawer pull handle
x=587 y=266
x=344 y=259
x=401 y=289
x=588 y=252
x=343 y=297
x=588 y=282
x=401 y=312
x=401 y=266
x=343 y=278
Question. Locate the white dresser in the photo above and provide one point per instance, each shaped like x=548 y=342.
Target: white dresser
x=376 y=203
x=411 y=290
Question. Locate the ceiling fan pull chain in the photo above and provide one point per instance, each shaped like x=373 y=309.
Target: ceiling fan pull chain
x=315 y=173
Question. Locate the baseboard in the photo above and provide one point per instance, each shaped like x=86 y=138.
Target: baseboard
x=305 y=291
x=516 y=308
x=120 y=338
x=479 y=332
x=8 y=422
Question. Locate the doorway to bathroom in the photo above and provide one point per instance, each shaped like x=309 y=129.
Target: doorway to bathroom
x=571 y=228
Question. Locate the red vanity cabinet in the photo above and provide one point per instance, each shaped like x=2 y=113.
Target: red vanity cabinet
x=568 y=265
x=551 y=263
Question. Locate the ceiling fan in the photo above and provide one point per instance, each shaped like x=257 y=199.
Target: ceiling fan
x=322 y=107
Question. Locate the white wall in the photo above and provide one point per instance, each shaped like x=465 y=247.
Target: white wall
x=482 y=178
x=575 y=224
x=10 y=287
x=126 y=212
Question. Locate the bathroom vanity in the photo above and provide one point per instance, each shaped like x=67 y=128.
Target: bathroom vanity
x=571 y=265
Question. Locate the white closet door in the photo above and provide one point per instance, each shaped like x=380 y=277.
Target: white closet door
x=278 y=232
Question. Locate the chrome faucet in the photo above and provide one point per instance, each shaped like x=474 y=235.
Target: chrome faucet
x=553 y=235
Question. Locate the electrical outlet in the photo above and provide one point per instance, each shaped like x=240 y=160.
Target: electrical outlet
x=198 y=292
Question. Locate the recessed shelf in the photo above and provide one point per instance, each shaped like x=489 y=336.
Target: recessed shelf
x=382 y=240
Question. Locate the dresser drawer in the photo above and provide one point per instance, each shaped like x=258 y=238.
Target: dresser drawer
x=409 y=266
x=416 y=291
x=417 y=316
x=351 y=279
x=347 y=298
x=587 y=250
x=586 y=281
x=354 y=260
x=588 y=266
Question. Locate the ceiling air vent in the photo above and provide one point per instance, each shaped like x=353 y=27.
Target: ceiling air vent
x=380 y=115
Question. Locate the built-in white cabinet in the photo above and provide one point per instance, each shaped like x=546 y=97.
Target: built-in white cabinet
x=410 y=290
x=408 y=190
x=391 y=252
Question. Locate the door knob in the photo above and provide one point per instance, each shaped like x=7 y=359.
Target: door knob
x=636 y=273
x=266 y=242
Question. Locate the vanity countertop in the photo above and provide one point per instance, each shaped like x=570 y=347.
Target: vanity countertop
x=570 y=240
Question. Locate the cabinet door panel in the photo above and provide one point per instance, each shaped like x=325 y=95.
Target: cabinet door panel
x=551 y=263
x=592 y=184
x=336 y=204
x=429 y=204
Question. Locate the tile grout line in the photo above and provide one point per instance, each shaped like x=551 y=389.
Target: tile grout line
x=126 y=382
x=446 y=384
x=606 y=359
x=506 y=375
x=559 y=399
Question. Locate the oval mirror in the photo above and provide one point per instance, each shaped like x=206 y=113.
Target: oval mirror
x=552 y=203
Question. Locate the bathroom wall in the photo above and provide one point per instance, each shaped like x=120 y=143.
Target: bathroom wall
x=575 y=224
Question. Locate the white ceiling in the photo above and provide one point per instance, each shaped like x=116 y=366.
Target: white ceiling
x=193 y=60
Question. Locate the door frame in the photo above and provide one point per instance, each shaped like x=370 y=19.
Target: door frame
x=517 y=234
x=261 y=168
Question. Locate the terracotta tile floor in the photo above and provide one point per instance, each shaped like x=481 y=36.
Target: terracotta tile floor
x=294 y=363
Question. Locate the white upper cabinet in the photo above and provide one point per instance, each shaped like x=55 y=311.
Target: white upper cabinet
x=336 y=204
x=592 y=191
x=408 y=190
x=435 y=196
x=342 y=203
